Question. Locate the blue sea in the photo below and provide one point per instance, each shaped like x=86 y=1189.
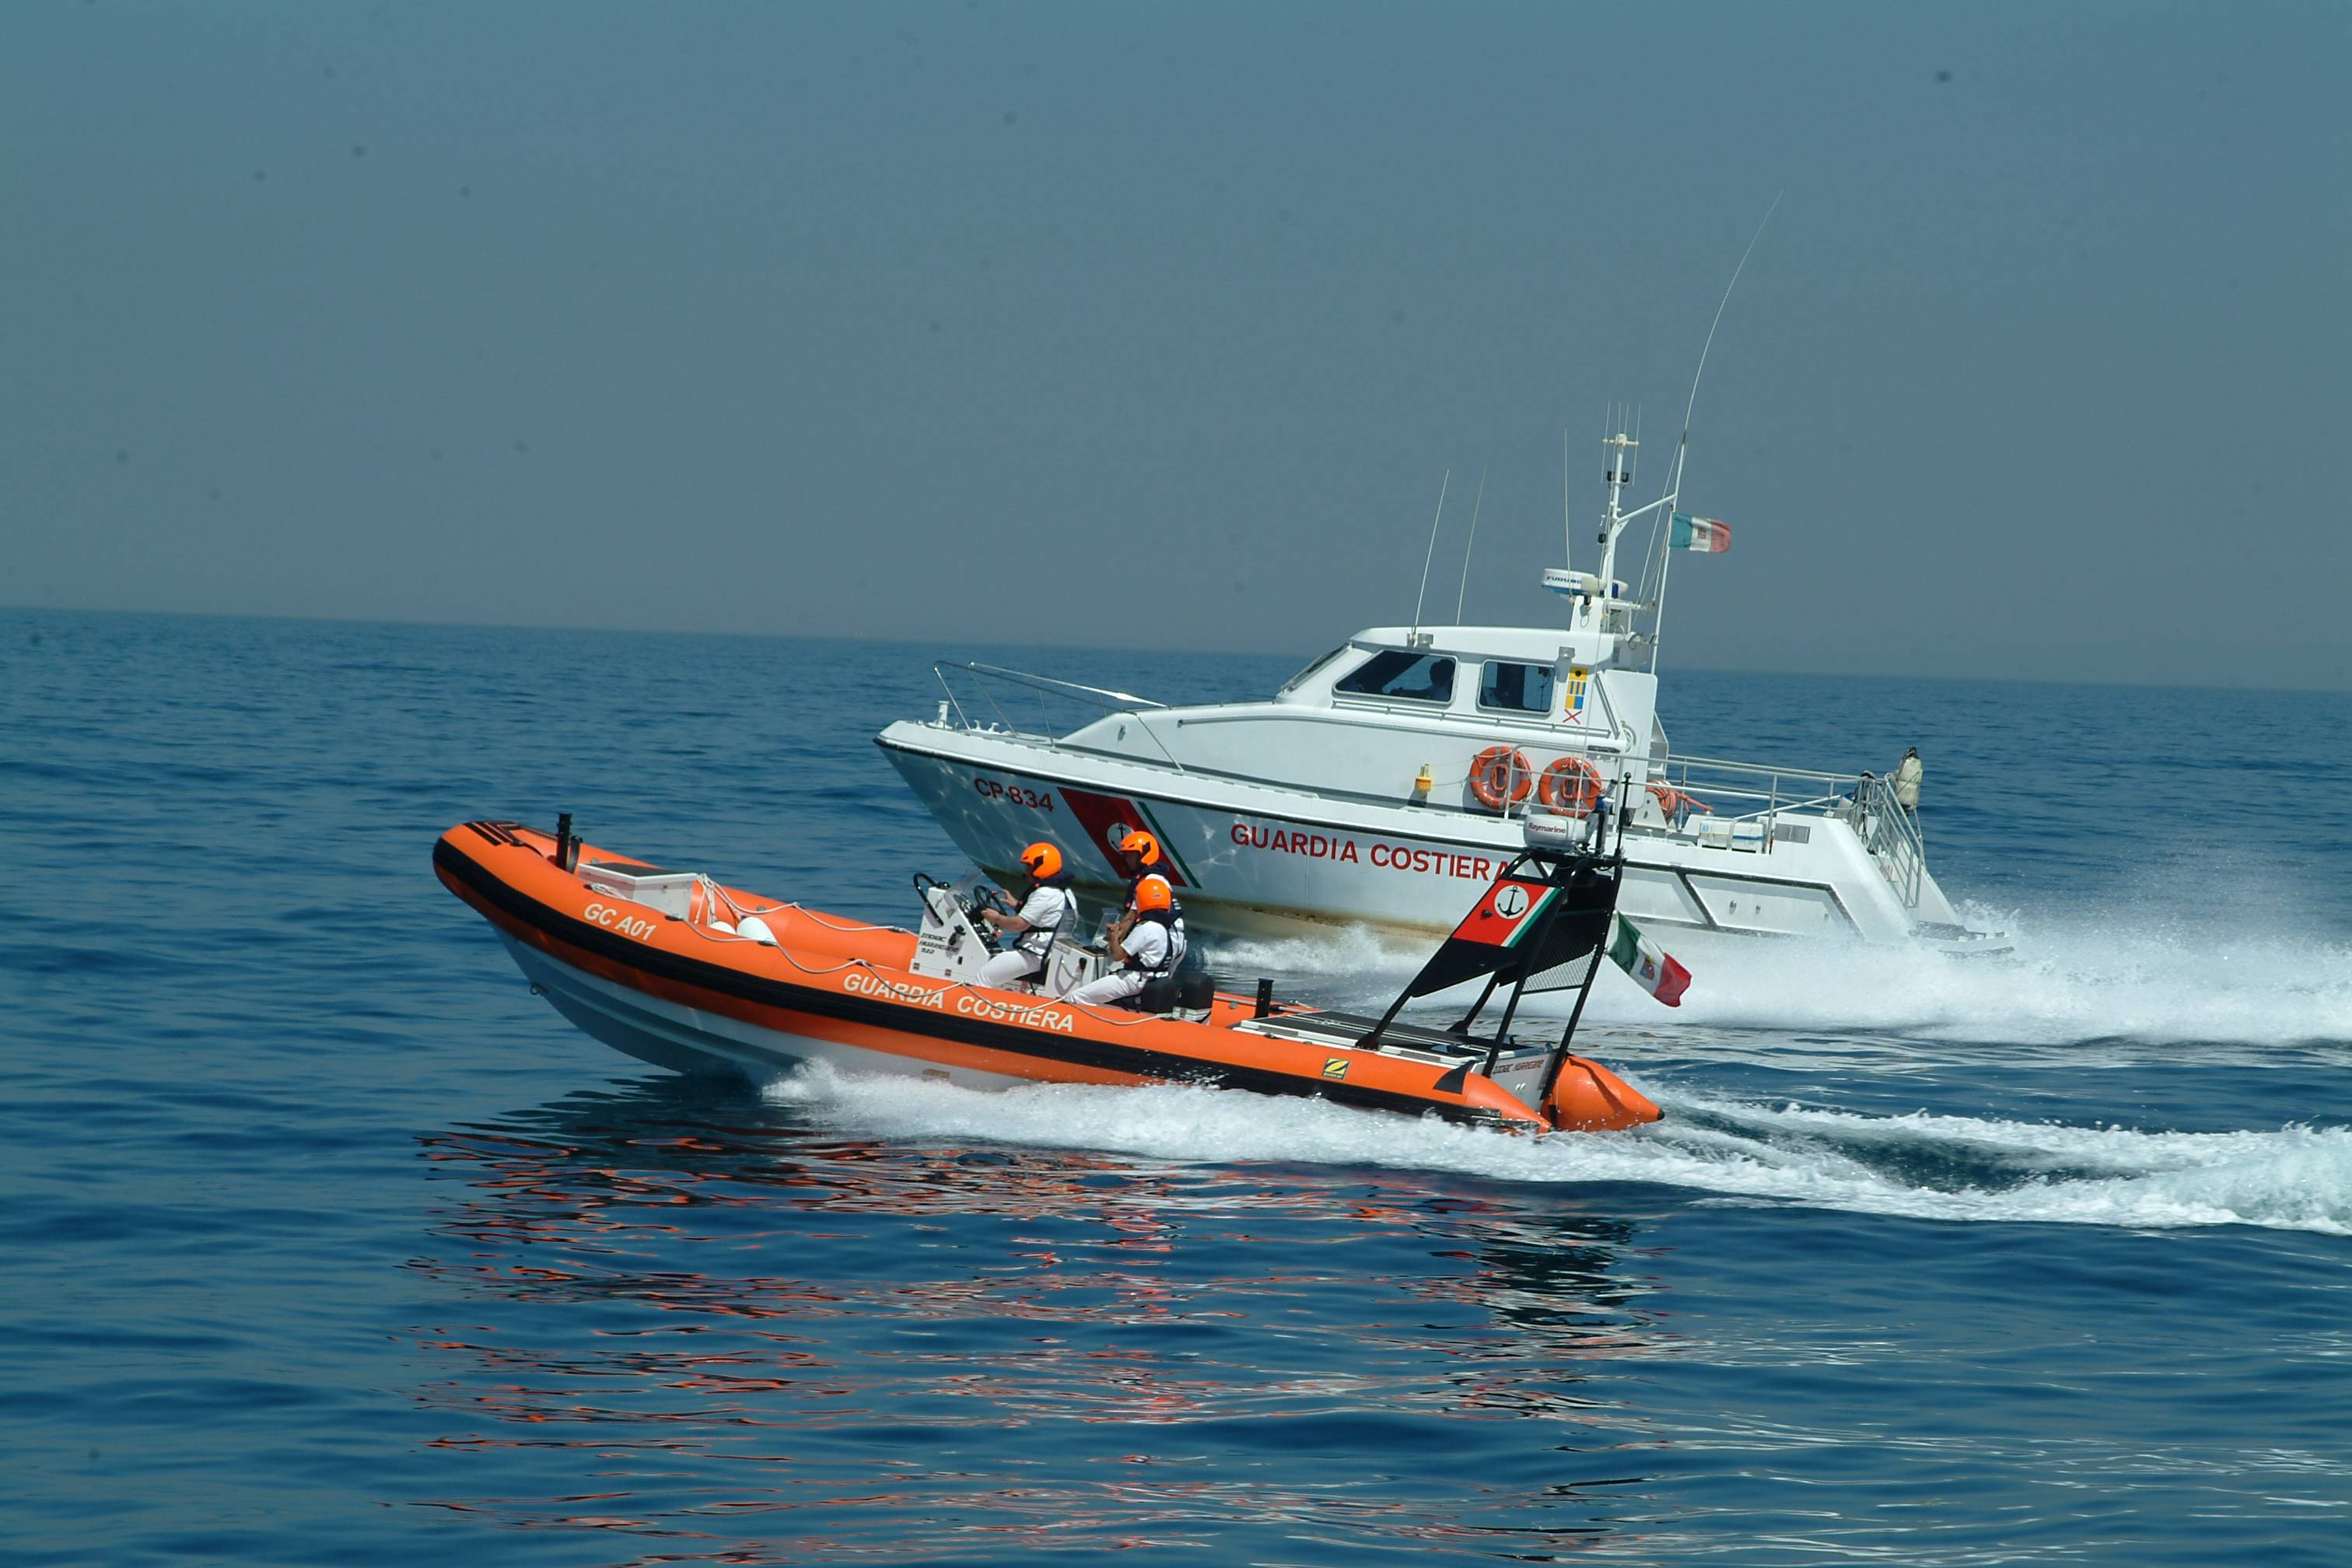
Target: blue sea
x=326 y=1242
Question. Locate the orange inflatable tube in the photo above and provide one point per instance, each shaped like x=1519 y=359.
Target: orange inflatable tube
x=678 y=991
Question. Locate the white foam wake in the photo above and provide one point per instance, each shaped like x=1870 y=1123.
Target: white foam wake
x=1919 y=1166
x=2074 y=980
x=2064 y=983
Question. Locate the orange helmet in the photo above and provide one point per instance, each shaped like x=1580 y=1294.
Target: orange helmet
x=1142 y=846
x=1043 y=859
x=1153 y=893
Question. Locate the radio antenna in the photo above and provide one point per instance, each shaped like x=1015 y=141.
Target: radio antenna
x=1567 y=507
x=1463 y=591
x=1675 y=480
x=1431 y=553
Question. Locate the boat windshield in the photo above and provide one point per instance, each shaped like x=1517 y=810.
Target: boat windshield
x=1399 y=672
x=1298 y=679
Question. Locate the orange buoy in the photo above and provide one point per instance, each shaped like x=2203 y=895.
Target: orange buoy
x=1500 y=775
x=1571 y=785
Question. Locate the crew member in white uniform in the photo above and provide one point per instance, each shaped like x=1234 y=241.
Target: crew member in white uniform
x=1148 y=942
x=1049 y=907
x=1908 y=774
x=1139 y=856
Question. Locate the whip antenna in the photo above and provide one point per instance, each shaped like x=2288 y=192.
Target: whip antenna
x=1429 y=555
x=1682 y=447
x=1674 y=485
x=1462 y=591
x=1567 y=511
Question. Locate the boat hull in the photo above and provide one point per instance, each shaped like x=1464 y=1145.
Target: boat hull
x=1256 y=860
x=678 y=993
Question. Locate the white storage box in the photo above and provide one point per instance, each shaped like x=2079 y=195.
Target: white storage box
x=670 y=892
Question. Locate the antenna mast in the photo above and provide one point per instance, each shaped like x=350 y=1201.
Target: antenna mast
x=1567 y=507
x=1682 y=447
x=1429 y=554
x=1618 y=451
x=1463 y=592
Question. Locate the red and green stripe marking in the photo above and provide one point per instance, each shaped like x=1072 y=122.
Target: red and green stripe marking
x=1505 y=914
x=1105 y=817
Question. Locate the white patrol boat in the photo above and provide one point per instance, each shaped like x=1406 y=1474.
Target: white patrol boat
x=1389 y=775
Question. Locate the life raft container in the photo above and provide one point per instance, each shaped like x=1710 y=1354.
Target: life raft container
x=1571 y=785
x=1500 y=775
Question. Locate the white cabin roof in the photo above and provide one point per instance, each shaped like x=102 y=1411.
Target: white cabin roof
x=1525 y=645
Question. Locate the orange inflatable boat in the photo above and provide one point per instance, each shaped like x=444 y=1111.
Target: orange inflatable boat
x=680 y=971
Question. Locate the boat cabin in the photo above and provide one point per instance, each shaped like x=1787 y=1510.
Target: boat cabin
x=1553 y=686
x=1394 y=703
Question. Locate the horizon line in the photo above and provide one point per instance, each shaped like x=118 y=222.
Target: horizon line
x=2344 y=687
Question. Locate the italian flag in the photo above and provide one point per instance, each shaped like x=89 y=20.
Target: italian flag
x=1653 y=968
x=1710 y=534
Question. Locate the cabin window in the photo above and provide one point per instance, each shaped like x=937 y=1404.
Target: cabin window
x=1521 y=687
x=1300 y=678
x=1395 y=672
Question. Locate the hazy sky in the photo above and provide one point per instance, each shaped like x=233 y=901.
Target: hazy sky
x=1158 y=326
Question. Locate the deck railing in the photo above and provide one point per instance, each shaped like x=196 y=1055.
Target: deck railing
x=1891 y=836
x=983 y=682
x=1759 y=793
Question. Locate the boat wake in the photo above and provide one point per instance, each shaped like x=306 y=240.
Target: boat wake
x=2068 y=981
x=1918 y=1166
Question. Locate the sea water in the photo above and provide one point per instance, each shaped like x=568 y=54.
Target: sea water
x=325 y=1241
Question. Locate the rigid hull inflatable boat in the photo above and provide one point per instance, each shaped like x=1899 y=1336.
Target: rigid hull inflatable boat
x=679 y=971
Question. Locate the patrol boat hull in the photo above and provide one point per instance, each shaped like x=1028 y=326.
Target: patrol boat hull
x=1384 y=774
x=1253 y=858
x=649 y=963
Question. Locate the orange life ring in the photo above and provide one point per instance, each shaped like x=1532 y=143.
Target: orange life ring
x=1499 y=774
x=1571 y=785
